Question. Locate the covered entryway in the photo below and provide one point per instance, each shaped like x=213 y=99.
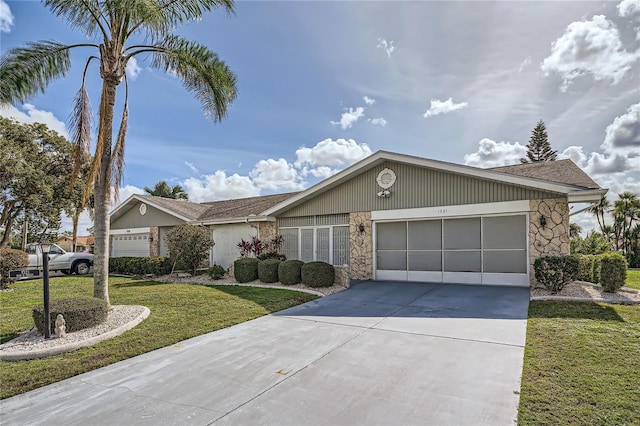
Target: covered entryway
x=130 y=244
x=489 y=249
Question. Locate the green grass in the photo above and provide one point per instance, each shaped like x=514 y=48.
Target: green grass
x=581 y=365
x=178 y=312
x=633 y=279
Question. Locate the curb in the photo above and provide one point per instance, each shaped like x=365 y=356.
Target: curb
x=42 y=353
x=585 y=299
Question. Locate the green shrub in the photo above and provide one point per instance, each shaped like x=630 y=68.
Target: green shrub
x=317 y=274
x=11 y=259
x=597 y=262
x=586 y=266
x=245 y=269
x=268 y=270
x=79 y=313
x=156 y=265
x=189 y=245
x=272 y=255
x=554 y=272
x=289 y=272
x=613 y=271
x=216 y=272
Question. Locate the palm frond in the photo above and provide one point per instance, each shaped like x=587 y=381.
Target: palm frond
x=159 y=17
x=117 y=157
x=24 y=71
x=80 y=124
x=85 y=15
x=203 y=74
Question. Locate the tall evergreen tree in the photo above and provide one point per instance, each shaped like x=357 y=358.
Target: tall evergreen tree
x=539 y=148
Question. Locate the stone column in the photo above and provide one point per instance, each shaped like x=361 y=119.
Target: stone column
x=361 y=246
x=266 y=231
x=553 y=237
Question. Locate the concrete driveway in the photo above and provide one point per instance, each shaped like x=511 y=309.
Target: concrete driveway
x=378 y=353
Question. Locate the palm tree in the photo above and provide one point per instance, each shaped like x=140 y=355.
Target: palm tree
x=162 y=189
x=574 y=230
x=626 y=211
x=599 y=209
x=121 y=30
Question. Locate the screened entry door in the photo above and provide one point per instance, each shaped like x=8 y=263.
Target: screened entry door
x=475 y=250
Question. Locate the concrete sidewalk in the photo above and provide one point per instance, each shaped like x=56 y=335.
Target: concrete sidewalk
x=378 y=353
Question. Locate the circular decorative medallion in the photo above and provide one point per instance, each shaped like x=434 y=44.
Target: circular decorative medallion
x=386 y=178
x=142 y=208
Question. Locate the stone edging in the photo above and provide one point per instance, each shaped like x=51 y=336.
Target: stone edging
x=302 y=290
x=18 y=356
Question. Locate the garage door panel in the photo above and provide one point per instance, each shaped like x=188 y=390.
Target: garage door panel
x=504 y=232
x=392 y=260
x=462 y=261
x=425 y=235
x=425 y=261
x=461 y=234
x=392 y=236
x=505 y=261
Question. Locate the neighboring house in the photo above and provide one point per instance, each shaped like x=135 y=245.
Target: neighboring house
x=82 y=243
x=390 y=217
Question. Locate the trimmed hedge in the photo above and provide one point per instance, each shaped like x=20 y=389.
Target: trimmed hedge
x=11 y=259
x=290 y=272
x=613 y=271
x=268 y=270
x=554 y=272
x=597 y=262
x=156 y=265
x=586 y=266
x=272 y=255
x=79 y=313
x=245 y=269
x=317 y=274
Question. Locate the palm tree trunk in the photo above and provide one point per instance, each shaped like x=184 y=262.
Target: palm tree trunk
x=74 y=237
x=102 y=190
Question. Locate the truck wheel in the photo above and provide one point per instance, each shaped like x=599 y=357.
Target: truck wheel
x=81 y=268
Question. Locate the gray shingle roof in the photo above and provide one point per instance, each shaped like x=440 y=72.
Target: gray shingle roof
x=560 y=171
x=184 y=208
x=242 y=207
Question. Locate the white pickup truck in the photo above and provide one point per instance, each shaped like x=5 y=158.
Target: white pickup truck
x=59 y=260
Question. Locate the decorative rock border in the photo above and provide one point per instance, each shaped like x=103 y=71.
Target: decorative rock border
x=57 y=349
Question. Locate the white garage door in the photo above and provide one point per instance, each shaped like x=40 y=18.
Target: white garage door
x=136 y=245
x=474 y=250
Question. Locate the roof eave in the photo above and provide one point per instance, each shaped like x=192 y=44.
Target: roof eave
x=149 y=202
x=586 y=196
x=224 y=221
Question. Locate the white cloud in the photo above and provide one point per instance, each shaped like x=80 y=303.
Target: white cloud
x=368 y=100
x=387 y=46
x=589 y=47
x=219 y=186
x=600 y=164
x=125 y=192
x=276 y=175
x=495 y=154
x=575 y=154
x=624 y=132
x=443 y=107
x=350 y=117
x=629 y=7
x=321 y=172
x=133 y=69
x=329 y=152
x=525 y=63
x=34 y=115
x=378 y=121
x=6 y=17
x=193 y=168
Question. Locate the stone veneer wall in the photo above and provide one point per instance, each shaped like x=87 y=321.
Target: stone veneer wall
x=361 y=246
x=154 y=246
x=553 y=239
x=266 y=231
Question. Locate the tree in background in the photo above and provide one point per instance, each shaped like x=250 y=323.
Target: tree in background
x=593 y=243
x=539 y=148
x=189 y=245
x=574 y=230
x=599 y=209
x=162 y=189
x=35 y=170
x=117 y=32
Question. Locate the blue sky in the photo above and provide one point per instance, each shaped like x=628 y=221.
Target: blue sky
x=323 y=84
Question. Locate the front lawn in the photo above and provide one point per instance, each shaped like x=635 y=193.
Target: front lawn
x=178 y=312
x=581 y=364
x=633 y=279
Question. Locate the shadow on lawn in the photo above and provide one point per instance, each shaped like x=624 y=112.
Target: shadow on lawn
x=580 y=310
